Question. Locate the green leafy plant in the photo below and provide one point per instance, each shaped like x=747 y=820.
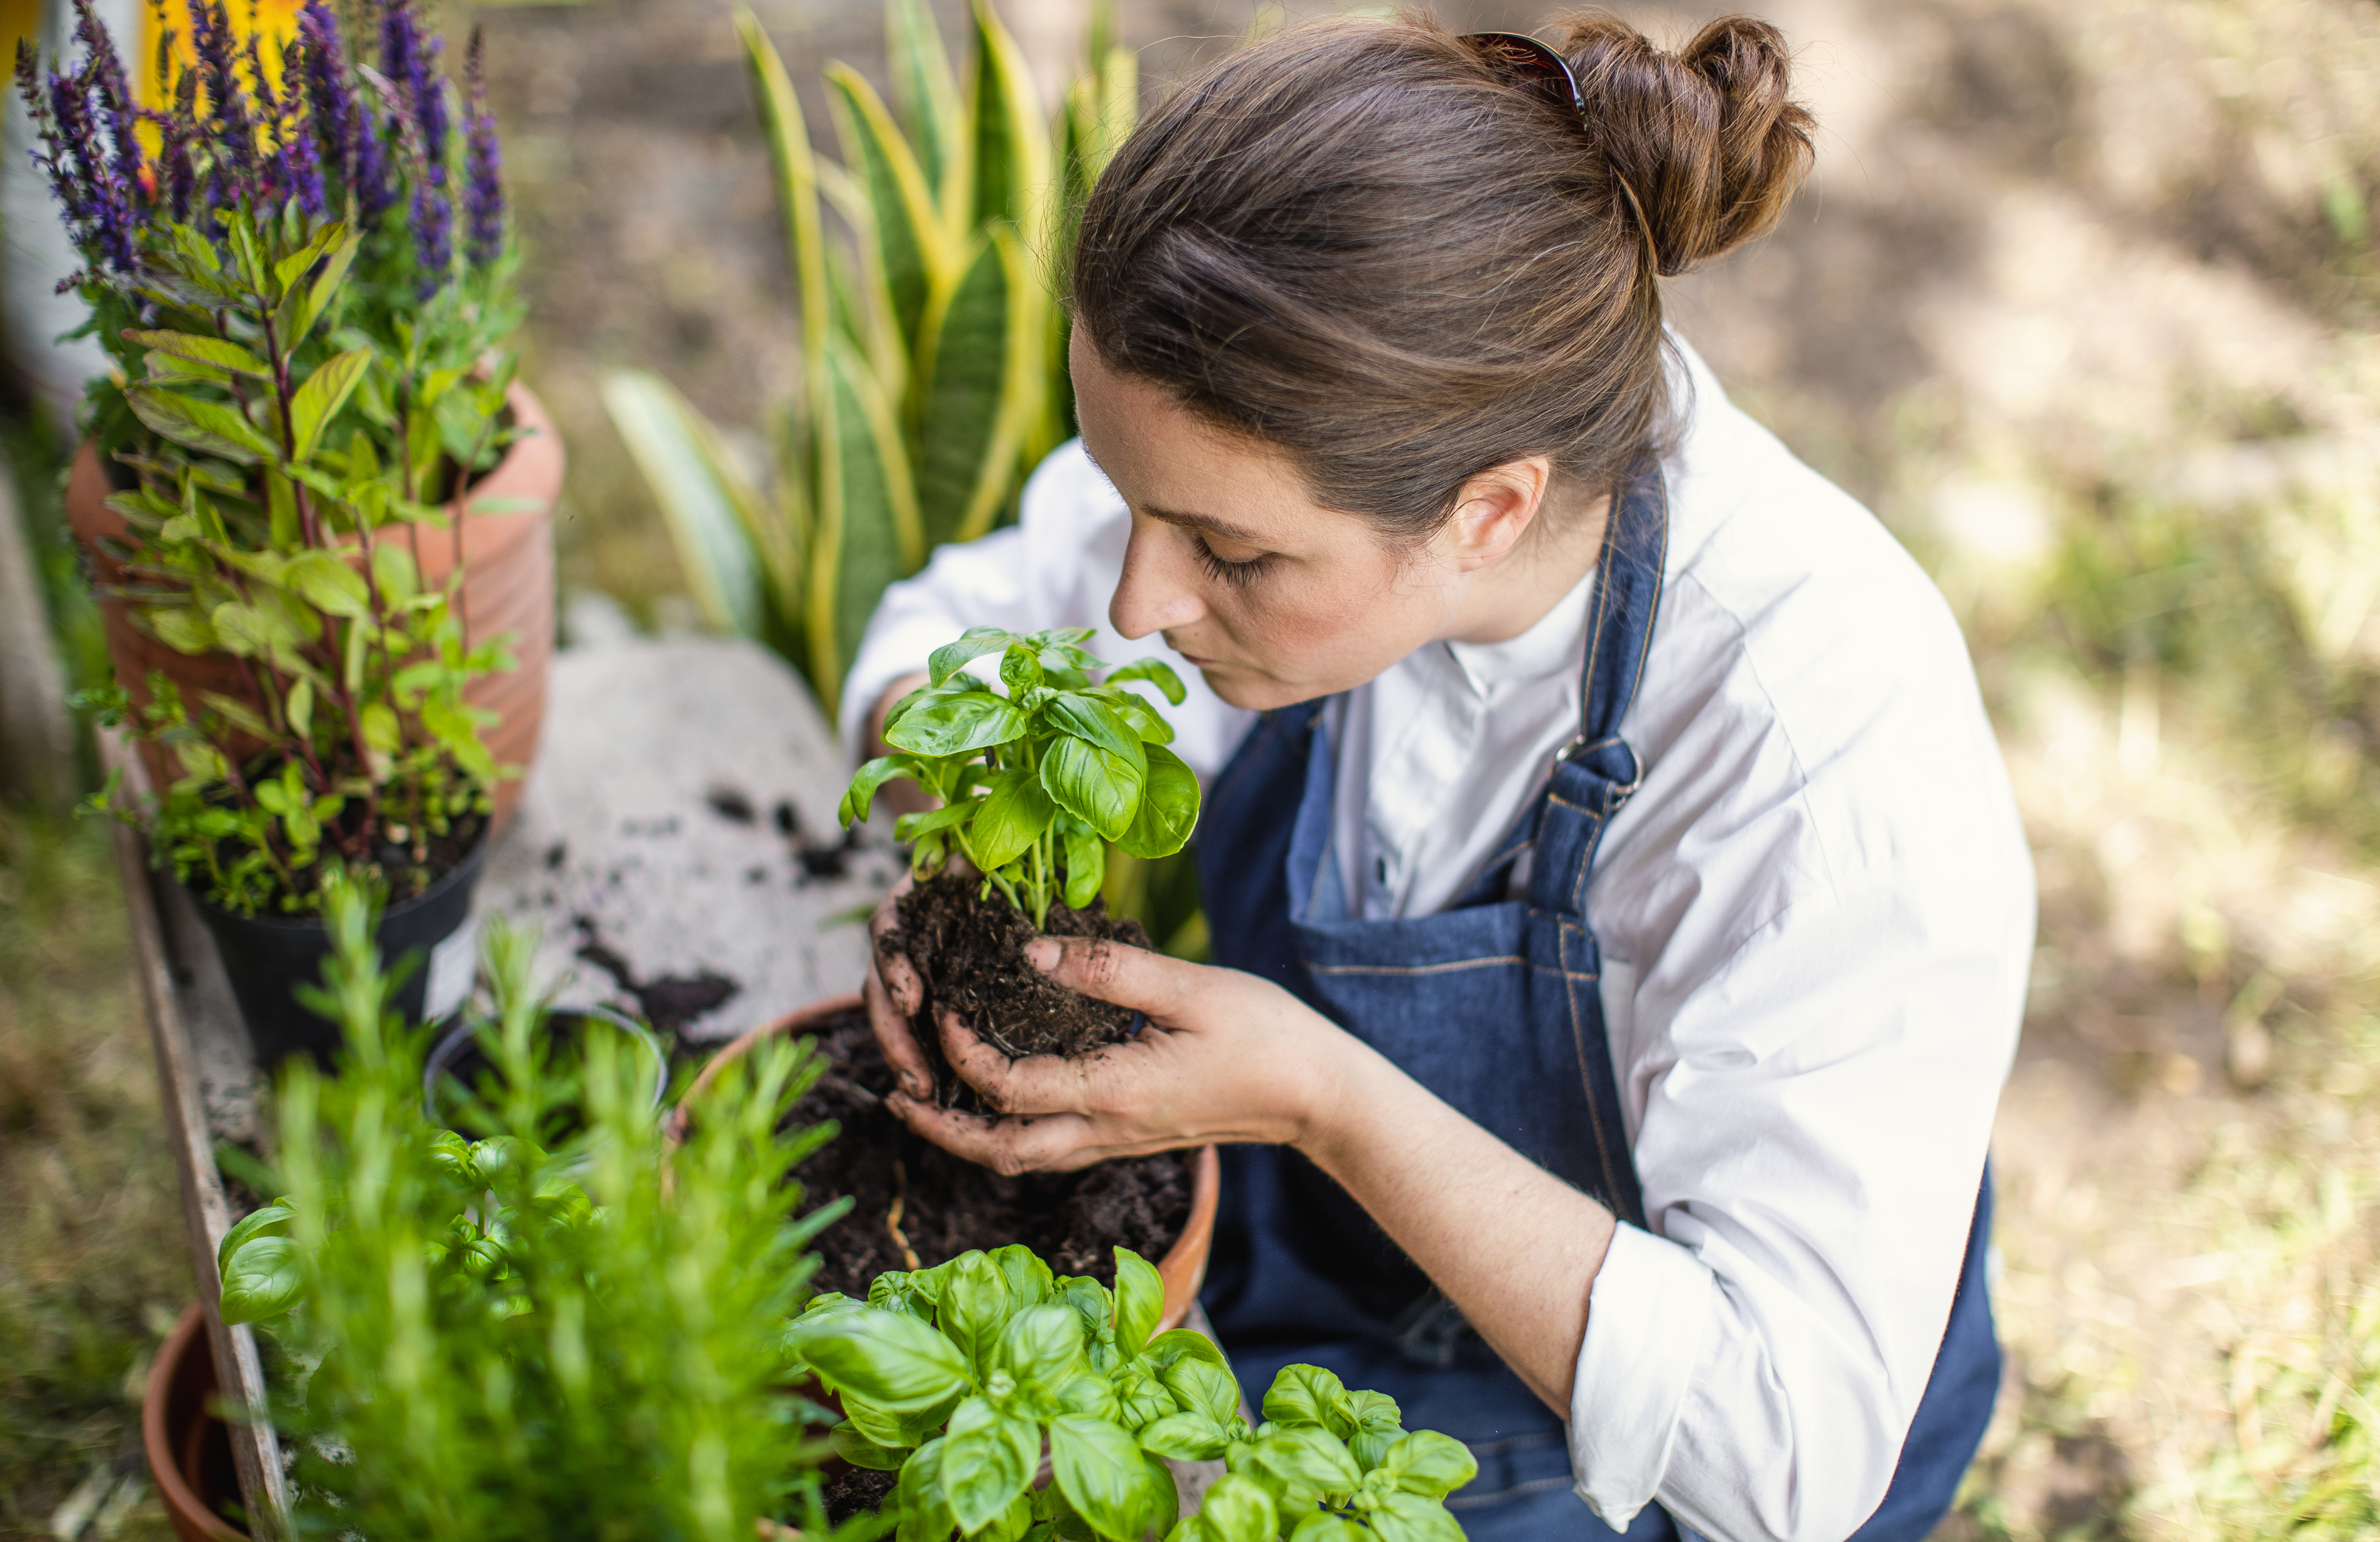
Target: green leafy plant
x=1034 y=783
x=958 y=1375
x=309 y=364
x=933 y=355
x=493 y=1339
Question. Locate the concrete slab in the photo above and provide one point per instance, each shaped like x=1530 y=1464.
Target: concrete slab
x=678 y=840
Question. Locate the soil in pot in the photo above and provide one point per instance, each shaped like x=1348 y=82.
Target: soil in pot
x=857 y=1491
x=915 y=1205
x=970 y=953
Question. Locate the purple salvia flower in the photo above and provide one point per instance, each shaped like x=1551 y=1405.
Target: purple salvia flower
x=106 y=72
x=179 y=178
x=298 y=137
x=327 y=88
x=375 y=187
x=484 y=193
x=409 y=58
x=433 y=237
x=235 y=131
x=47 y=159
x=105 y=203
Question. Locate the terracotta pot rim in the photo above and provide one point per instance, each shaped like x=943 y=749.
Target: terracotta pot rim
x=1184 y=1262
x=182 y=1501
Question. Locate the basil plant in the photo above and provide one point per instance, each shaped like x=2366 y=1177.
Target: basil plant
x=1034 y=783
x=957 y=1377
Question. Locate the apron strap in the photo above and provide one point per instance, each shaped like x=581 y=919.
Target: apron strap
x=1596 y=773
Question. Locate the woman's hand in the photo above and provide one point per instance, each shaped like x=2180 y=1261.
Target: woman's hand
x=1225 y=1056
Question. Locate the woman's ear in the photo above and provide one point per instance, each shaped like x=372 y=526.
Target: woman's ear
x=1494 y=510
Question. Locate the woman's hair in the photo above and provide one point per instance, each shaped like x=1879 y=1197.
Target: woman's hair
x=1359 y=243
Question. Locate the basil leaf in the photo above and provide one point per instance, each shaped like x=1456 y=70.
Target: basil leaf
x=1086 y=865
x=861 y=795
x=1144 y=1397
x=1140 y=1301
x=973 y=644
x=1429 y=1463
x=1156 y=671
x=1019 y=671
x=1029 y=1280
x=1090 y=718
x=1403 y=1517
x=1328 y=1525
x=265 y=1277
x=1239 y=1510
x=1097 y=785
x=1310 y=1395
x=960 y=722
x=1378 y=1425
x=1161 y=1504
x=1041 y=1344
x=1099 y=1468
x=889 y=1358
x=975 y=1307
x=925 y=1506
x=1186 y=1437
x=1089 y=1299
x=1009 y=819
x=988 y=1458
x=1168 y=811
x=909 y=826
x=1203 y=1387
x=1301 y=1464
x=1177 y=1344
x=1137 y=714
x=894 y=1291
x=1089 y=1394
x=848 y=1443
x=271 y=1220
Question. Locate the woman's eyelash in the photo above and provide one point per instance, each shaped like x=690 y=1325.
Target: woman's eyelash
x=1239 y=574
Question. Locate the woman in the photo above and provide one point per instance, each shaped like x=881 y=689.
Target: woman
x=1621 y=918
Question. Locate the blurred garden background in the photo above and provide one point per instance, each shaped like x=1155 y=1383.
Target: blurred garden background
x=2081 y=301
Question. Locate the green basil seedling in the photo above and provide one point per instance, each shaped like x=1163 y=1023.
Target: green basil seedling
x=1036 y=783
x=955 y=1377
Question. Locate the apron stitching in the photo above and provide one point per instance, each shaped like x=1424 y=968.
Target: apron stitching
x=1419 y=969
x=1578 y=1046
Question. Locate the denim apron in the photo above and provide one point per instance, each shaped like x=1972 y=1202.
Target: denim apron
x=1493 y=1005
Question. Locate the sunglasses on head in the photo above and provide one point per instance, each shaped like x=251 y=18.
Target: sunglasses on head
x=1526 y=59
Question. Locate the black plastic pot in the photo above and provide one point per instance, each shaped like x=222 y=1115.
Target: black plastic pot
x=267 y=956
x=461 y=1055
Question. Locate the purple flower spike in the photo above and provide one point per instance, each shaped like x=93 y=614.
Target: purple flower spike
x=433 y=237
x=101 y=203
x=327 y=87
x=375 y=188
x=409 y=58
x=106 y=72
x=298 y=151
x=483 y=194
x=211 y=37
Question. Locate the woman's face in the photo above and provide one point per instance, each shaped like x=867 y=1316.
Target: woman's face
x=1273 y=598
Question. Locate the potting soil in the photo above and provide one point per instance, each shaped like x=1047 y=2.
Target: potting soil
x=970 y=953
x=948 y=1205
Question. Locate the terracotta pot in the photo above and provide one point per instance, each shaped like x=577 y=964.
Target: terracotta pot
x=507 y=586
x=1183 y=1268
x=188 y=1450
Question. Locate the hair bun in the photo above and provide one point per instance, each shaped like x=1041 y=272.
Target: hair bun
x=1708 y=139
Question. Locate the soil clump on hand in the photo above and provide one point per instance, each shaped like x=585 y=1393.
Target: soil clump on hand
x=970 y=954
x=915 y=1205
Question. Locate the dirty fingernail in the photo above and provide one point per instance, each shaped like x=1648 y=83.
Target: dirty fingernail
x=914 y=1086
x=1043 y=954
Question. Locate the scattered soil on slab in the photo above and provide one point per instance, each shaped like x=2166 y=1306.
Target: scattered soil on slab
x=857 y=1491
x=947 y=1203
x=970 y=953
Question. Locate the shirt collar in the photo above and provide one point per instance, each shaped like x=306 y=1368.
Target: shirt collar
x=1556 y=644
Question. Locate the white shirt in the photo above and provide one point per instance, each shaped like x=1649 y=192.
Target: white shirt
x=1816 y=915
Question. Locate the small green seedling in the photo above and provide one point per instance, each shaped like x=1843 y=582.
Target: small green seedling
x=1034 y=783
x=958 y=1377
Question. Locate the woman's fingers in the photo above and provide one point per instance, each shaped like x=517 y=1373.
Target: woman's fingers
x=900 y=974
x=1056 y=1143
x=1036 y=1085
x=1116 y=972
x=891 y=1026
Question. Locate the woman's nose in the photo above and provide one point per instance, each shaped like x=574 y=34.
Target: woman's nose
x=1158 y=590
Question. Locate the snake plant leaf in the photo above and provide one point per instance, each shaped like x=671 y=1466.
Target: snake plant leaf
x=909 y=249
x=797 y=195
x=925 y=91
x=1012 y=142
x=867 y=534
x=699 y=495
x=982 y=385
